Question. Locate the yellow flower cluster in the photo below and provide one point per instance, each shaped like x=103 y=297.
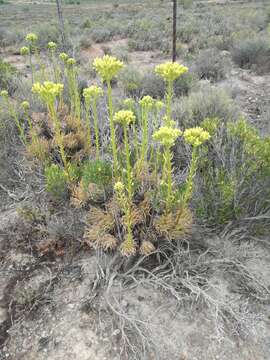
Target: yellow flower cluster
x=4 y=93
x=48 y=91
x=107 y=67
x=52 y=46
x=147 y=102
x=196 y=136
x=92 y=92
x=25 y=105
x=124 y=117
x=167 y=135
x=170 y=71
x=31 y=37
x=63 y=56
x=71 y=61
x=24 y=50
x=119 y=187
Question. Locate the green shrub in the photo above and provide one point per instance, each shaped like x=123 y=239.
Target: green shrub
x=184 y=84
x=9 y=37
x=131 y=81
x=98 y=172
x=87 y=24
x=136 y=84
x=212 y=65
x=155 y=87
x=100 y=35
x=56 y=181
x=7 y=73
x=86 y=41
x=207 y=102
x=121 y=53
x=46 y=33
x=152 y=85
x=234 y=174
x=252 y=53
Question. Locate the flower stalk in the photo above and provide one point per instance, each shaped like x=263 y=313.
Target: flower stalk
x=195 y=137
x=126 y=118
x=170 y=72
x=91 y=95
x=108 y=68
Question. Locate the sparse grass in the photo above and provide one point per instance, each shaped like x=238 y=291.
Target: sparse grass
x=252 y=54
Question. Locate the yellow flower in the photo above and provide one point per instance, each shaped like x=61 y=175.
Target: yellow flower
x=196 y=136
x=24 y=50
x=48 y=91
x=107 y=67
x=92 y=92
x=124 y=117
x=119 y=187
x=25 y=105
x=166 y=135
x=170 y=71
x=147 y=102
x=52 y=46
x=4 y=93
x=63 y=56
x=31 y=37
x=71 y=61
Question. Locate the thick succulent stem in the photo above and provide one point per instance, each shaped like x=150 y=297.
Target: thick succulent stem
x=95 y=115
x=167 y=177
x=169 y=96
x=112 y=129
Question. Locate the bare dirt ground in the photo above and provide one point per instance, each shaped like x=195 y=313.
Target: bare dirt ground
x=81 y=306
x=252 y=93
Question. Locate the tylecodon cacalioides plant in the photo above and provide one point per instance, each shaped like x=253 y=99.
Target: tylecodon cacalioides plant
x=124 y=193
x=13 y=113
x=48 y=92
x=91 y=95
x=170 y=72
x=108 y=68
